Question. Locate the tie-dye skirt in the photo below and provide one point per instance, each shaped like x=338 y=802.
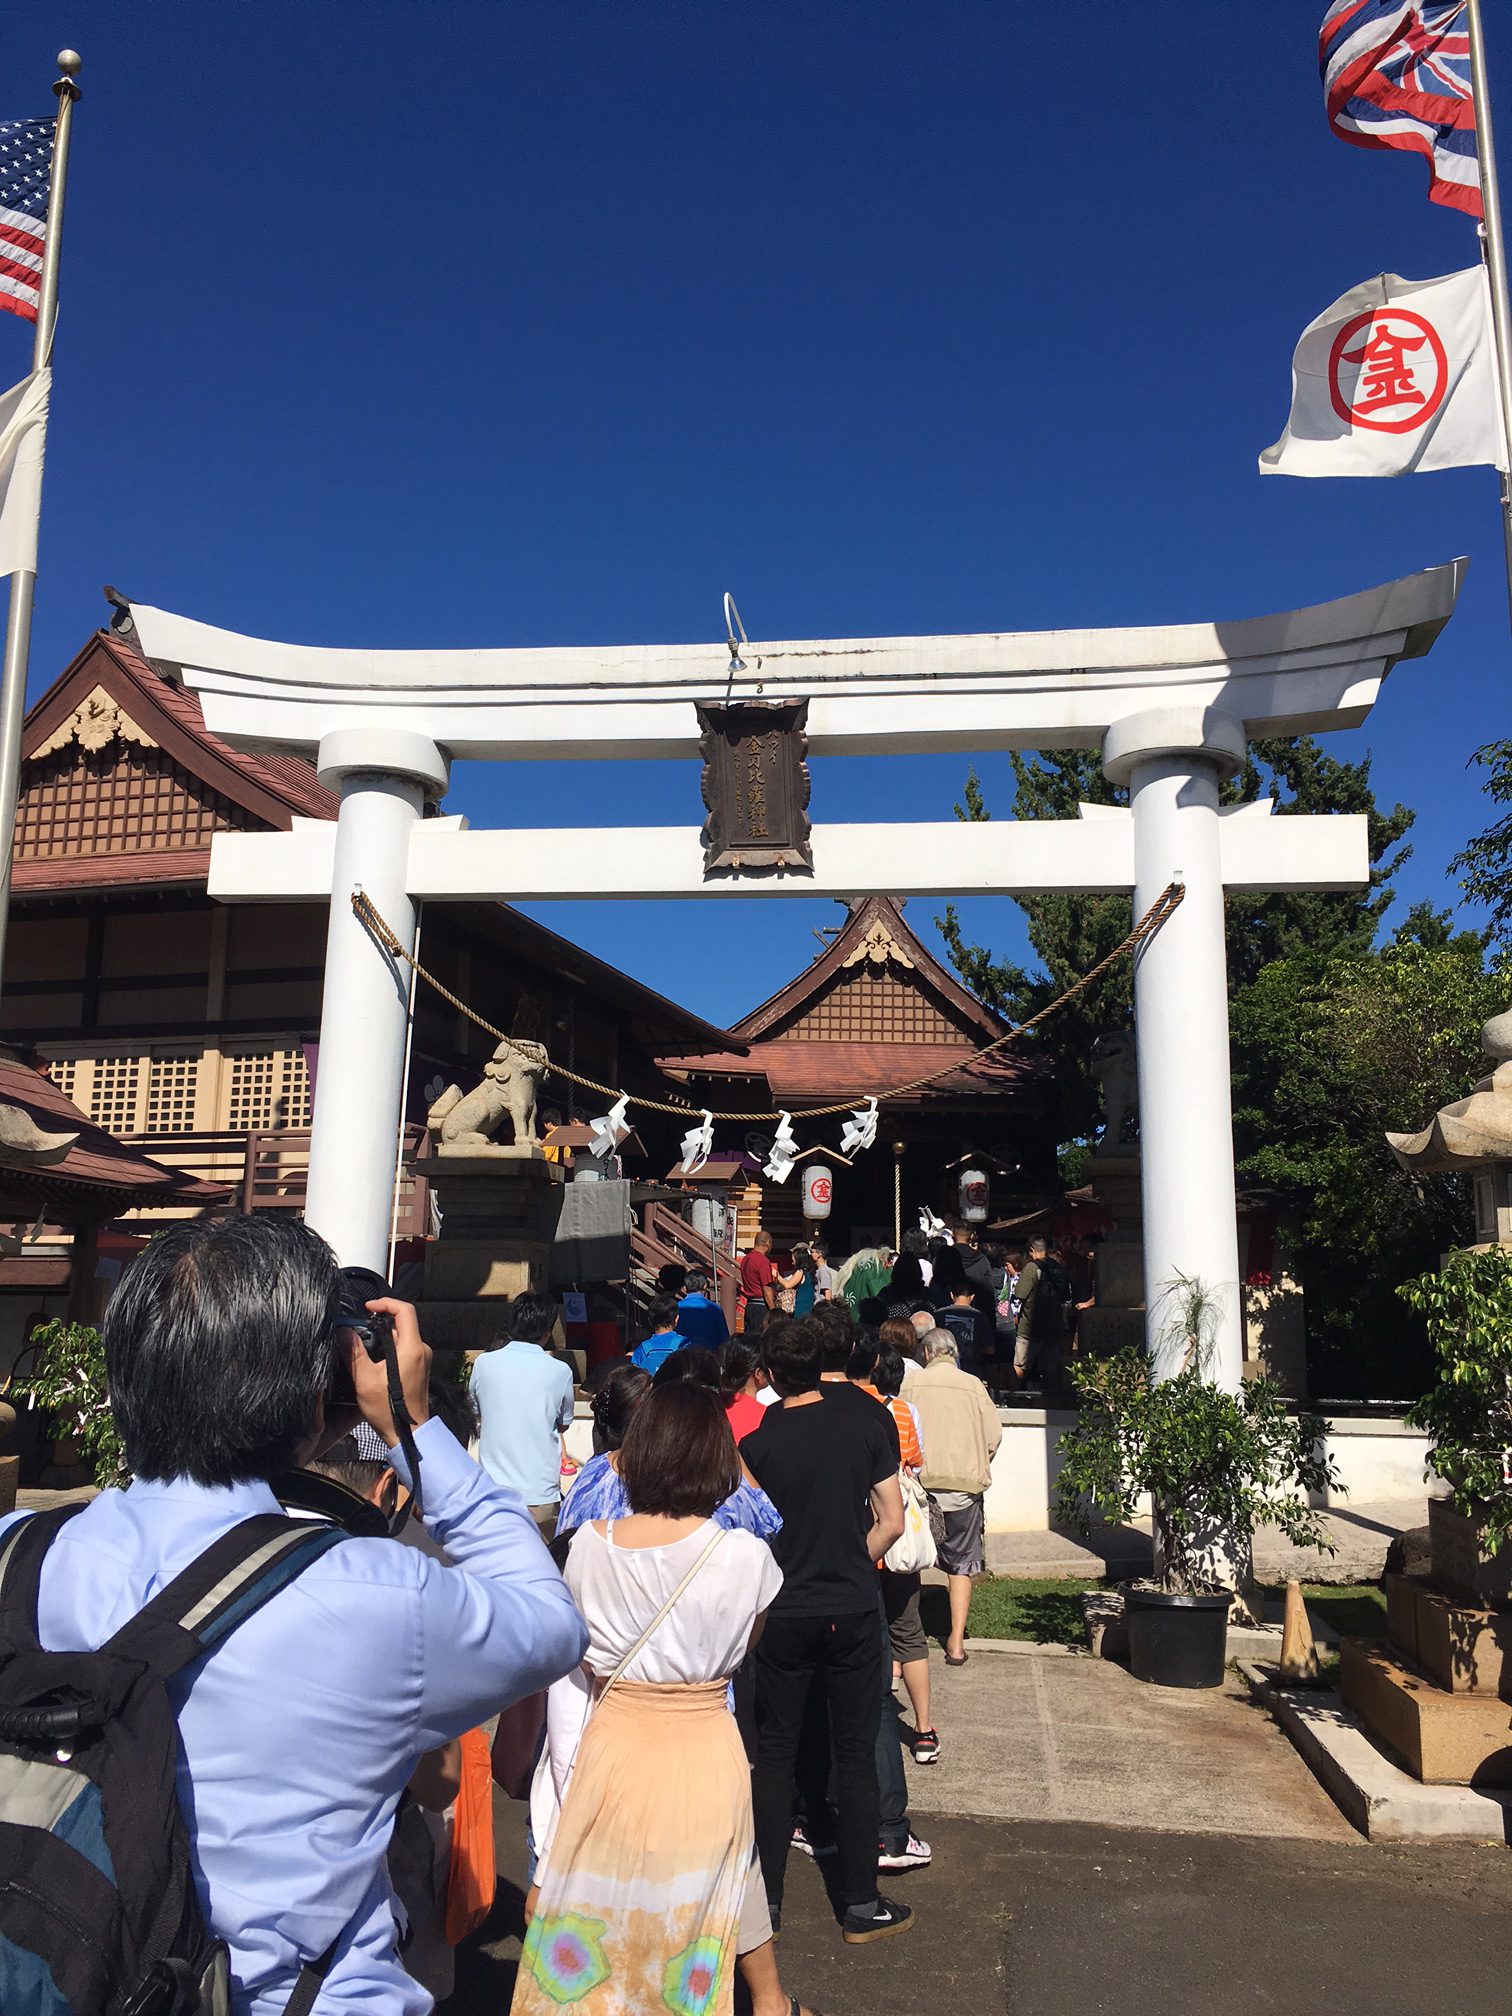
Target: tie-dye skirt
x=644 y=1880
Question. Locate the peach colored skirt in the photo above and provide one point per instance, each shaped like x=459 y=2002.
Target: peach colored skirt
x=645 y=1879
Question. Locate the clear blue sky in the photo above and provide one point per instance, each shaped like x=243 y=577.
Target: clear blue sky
x=546 y=321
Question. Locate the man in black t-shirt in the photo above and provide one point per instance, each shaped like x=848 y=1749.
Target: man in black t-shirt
x=827 y=1457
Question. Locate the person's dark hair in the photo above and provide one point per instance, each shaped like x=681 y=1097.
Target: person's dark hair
x=697 y=1282
x=1014 y=1258
x=888 y=1377
x=678 y=1457
x=870 y=1309
x=804 y=1261
x=793 y=1353
x=614 y=1403
x=738 y=1359
x=862 y=1361
x=661 y=1313
x=693 y=1365
x=916 y=1241
x=921 y=1306
x=837 y=1329
x=218 y=1346
x=672 y=1279
x=452 y=1403
x=532 y=1317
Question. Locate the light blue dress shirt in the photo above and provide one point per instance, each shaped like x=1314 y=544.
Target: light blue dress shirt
x=300 y=1732
x=524 y=1398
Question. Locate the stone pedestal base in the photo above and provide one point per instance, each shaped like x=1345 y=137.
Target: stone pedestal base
x=498 y=1214
x=1463 y=1649
x=1461 y=1564
x=1442 y=1738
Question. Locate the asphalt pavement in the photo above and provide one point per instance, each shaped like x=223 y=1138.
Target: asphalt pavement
x=1042 y=1918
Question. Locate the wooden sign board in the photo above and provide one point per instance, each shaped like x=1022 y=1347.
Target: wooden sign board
x=755 y=784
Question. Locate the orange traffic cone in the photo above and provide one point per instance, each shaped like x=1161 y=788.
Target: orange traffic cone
x=1299 y=1656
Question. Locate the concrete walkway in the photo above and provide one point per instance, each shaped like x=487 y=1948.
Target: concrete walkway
x=1046 y=1734
x=1361 y=1534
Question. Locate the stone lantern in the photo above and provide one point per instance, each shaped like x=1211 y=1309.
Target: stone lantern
x=1474 y=1136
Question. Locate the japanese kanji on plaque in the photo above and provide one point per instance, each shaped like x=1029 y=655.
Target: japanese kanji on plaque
x=755 y=784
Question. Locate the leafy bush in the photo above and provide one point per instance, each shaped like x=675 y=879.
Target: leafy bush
x=68 y=1383
x=1216 y=1465
x=1467 y=1304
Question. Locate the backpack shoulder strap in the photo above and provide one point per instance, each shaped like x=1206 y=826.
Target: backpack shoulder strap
x=222 y=1587
x=22 y=1549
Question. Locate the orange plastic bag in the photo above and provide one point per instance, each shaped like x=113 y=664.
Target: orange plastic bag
x=470 y=1885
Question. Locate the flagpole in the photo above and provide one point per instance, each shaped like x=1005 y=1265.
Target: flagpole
x=24 y=581
x=1494 y=251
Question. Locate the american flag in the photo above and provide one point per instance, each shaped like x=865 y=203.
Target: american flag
x=1396 y=73
x=26 y=147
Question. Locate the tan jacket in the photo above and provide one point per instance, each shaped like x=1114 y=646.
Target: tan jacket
x=961 y=1427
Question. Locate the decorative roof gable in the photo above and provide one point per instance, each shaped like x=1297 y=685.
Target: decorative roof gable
x=122 y=783
x=875 y=982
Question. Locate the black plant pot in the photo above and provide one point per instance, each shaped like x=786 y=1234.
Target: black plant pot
x=1177 y=1641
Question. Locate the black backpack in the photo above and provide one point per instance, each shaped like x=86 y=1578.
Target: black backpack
x=98 y=1911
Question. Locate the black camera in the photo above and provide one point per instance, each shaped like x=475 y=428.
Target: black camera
x=375 y=1333
x=359 y=1286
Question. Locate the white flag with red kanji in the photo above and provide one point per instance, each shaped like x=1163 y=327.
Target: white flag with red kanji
x=1397 y=375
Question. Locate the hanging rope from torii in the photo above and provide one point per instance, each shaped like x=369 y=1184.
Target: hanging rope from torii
x=860 y=1131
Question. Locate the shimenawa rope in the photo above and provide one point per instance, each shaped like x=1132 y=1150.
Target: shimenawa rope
x=1163 y=907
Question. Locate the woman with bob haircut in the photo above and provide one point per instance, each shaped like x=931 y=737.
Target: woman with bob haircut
x=648 y=1892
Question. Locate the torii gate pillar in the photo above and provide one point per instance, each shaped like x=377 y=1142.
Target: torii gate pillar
x=383 y=777
x=1171 y=760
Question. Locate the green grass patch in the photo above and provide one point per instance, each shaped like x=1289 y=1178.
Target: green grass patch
x=1353 y=1609
x=1041 y=1612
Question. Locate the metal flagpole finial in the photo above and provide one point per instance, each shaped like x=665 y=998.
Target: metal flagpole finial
x=70 y=63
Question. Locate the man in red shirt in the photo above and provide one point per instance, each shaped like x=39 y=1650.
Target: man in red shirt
x=758 y=1278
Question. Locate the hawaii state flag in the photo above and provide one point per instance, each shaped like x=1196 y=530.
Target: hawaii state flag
x=1396 y=73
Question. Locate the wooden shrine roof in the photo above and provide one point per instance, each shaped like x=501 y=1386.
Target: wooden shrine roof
x=122 y=784
x=875 y=1010
x=98 y=1177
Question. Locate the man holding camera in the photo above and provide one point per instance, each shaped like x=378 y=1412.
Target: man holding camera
x=226 y=1347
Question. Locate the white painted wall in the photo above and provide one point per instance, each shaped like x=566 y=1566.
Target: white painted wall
x=1380 y=1462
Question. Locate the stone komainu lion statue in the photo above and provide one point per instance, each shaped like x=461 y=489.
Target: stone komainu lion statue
x=468 y=1124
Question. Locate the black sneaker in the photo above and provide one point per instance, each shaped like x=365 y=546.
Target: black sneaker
x=880 y=1922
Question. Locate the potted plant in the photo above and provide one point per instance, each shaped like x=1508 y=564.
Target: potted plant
x=67 y=1380
x=1214 y=1464
x=1467 y=1305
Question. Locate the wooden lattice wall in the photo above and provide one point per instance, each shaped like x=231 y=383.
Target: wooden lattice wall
x=125 y=799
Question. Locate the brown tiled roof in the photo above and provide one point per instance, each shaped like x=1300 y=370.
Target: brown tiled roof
x=99 y=1176
x=804 y=1068
x=286 y=777
x=162 y=867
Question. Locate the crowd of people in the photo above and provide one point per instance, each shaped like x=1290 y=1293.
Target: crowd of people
x=1015 y=1311
x=690 y=1652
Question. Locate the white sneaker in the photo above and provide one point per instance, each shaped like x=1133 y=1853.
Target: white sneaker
x=915 y=1854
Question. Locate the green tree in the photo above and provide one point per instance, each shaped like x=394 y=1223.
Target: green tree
x=1329 y=1054
x=1071 y=933
x=1485 y=866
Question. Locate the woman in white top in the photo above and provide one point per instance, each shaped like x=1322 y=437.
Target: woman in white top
x=647 y=1892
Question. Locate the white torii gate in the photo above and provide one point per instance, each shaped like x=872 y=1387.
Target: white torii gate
x=1171 y=709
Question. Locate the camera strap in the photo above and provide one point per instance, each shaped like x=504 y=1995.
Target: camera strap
x=404 y=1427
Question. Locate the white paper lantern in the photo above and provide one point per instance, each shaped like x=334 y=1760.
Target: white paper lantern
x=975 y=1193
x=818 y=1190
